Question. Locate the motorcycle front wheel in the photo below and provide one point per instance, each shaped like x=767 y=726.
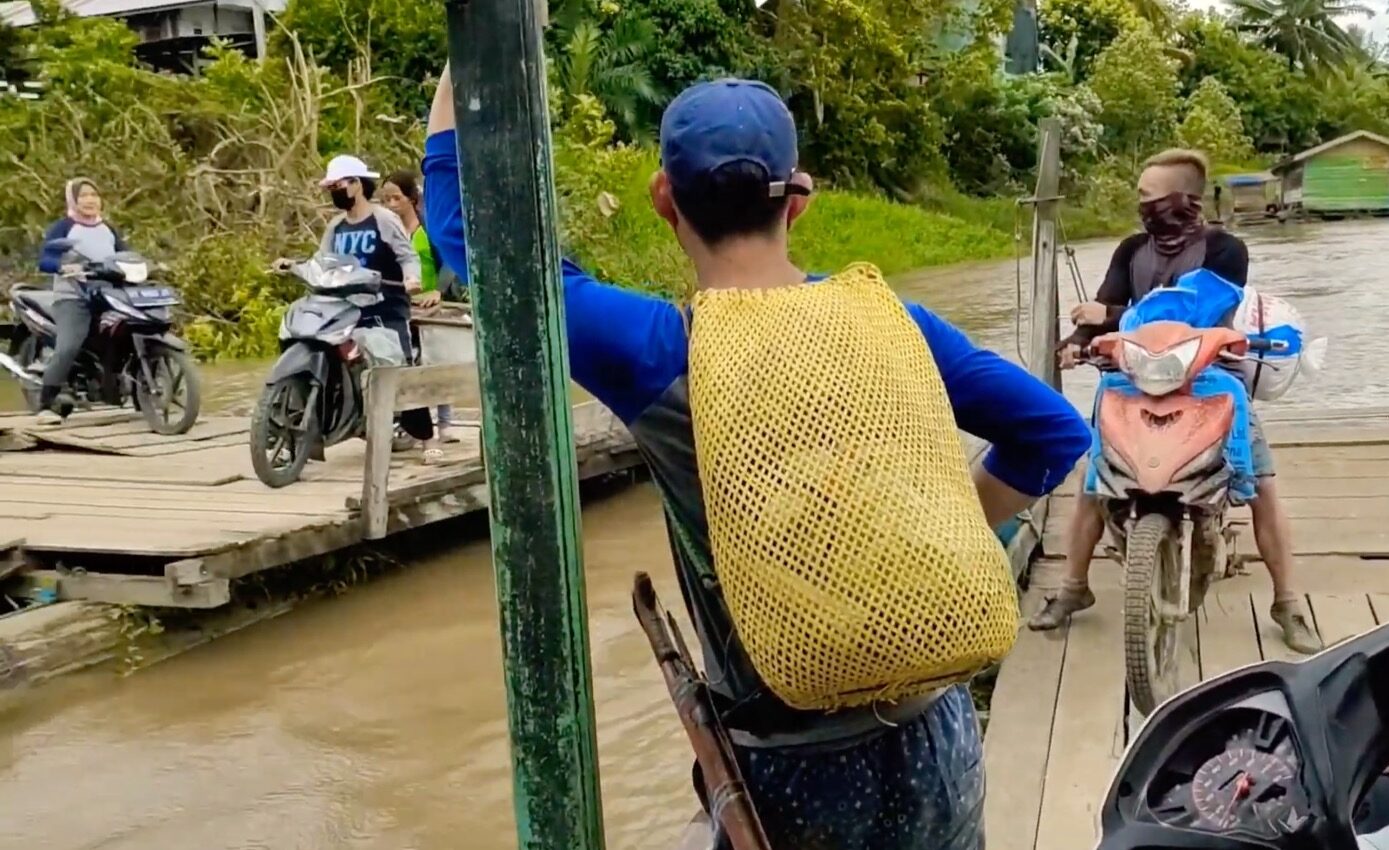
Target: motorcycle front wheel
x=284 y=429
x=169 y=406
x=1152 y=571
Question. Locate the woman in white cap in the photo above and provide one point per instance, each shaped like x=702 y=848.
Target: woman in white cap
x=378 y=240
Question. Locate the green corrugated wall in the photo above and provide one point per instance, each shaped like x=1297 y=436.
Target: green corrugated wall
x=1345 y=181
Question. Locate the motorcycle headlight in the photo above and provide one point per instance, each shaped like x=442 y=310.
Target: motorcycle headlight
x=134 y=272
x=1159 y=374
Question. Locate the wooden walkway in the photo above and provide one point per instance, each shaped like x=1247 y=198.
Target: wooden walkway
x=129 y=516
x=1058 y=723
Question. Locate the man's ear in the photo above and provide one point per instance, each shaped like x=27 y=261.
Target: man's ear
x=661 y=199
x=798 y=204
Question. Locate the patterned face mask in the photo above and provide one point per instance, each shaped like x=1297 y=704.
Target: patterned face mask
x=1173 y=220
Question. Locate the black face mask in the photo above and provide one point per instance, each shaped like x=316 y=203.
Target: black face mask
x=341 y=199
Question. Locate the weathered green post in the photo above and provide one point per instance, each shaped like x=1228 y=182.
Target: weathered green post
x=498 y=69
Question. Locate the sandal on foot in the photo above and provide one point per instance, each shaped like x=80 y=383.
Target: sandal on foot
x=1298 y=633
x=1060 y=607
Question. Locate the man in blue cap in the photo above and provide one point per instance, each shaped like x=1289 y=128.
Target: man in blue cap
x=878 y=777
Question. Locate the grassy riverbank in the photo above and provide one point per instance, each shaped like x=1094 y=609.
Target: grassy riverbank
x=610 y=228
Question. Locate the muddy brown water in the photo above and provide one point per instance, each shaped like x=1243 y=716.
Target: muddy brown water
x=377 y=719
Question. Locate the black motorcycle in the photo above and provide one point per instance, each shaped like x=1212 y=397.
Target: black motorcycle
x=1275 y=756
x=130 y=352
x=313 y=396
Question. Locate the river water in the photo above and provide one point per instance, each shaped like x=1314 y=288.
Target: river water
x=377 y=719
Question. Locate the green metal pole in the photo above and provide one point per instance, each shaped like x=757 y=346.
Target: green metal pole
x=498 y=70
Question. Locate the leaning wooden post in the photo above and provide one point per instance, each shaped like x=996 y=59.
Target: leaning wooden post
x=498 y=71
x=1045 y=322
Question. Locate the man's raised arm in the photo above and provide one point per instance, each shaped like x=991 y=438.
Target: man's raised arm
x=624 y=347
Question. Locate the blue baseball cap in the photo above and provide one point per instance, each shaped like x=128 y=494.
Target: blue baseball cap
x=713 y=124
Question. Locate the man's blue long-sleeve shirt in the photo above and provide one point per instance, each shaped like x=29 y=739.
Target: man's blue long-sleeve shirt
x=627 y=348
x=630 y=351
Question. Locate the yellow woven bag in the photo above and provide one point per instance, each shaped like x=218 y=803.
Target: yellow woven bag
x=847 y=535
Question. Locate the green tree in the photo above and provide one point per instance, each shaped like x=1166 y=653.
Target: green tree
x=1213 y=124
x=1354 y=97
x=698 y=40
x=1077 y=31
x=609 y=64
x=1278 y=105
x=1137 y=86
x=400 y=43
x=1303 y=32
x=851 y=79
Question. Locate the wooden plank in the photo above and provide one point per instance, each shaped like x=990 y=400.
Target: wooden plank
x=144 y=441
x=98 y=509
x=380 y=409
x=40 y=643
x=149 y=591
x=199 y=468
x=1188 y=654
x=12 y=558
x=1339 y=617
x=1089 y=718
x=1018 y=742
x=1227 y=633
x=1311 y=537
x=1358 y=508
x=1379 y=605
x=63 y=492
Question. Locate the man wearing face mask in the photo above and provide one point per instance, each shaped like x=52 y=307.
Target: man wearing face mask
x=376 y=238
x=1176 y=240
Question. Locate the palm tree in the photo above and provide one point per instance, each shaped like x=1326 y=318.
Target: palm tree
x=1304 y=32
x=608 y=63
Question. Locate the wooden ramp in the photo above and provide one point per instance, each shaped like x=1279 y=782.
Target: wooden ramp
x=1057 y=726
x=129 y=516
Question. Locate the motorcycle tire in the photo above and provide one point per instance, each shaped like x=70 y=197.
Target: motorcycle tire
x=182 y=373
x=1151 y=654
x=265 y=430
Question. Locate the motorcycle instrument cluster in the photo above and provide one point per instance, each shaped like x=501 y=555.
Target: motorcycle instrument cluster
x=1240 y=774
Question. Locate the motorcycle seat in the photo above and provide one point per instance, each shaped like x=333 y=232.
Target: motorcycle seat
x=40 y=299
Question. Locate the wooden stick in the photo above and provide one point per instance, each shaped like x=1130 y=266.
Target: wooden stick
x=729 y=805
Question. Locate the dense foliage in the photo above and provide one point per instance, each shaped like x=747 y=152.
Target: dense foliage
x=904 y=100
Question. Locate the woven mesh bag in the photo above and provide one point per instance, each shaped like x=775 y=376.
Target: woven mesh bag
x=847 y=534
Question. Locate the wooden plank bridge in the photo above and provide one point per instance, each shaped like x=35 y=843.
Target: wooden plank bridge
x=1059 y=723
x=101 y=509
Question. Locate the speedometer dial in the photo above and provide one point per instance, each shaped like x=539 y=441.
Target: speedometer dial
x=1244 y=785
x=1238 y=776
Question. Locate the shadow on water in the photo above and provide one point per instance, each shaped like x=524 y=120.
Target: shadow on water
x=377 y=719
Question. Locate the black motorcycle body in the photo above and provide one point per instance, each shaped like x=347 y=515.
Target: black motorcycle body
x=1274 y=756
x=130 y=352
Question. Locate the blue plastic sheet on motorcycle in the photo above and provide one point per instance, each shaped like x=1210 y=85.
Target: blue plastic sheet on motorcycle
x=1202 y=299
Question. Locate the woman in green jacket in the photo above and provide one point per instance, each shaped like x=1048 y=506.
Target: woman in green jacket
x=401 y=194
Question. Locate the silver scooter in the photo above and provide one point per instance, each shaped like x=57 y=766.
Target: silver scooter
x=313 y=396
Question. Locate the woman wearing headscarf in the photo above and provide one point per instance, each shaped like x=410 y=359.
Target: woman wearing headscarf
x=95 y=239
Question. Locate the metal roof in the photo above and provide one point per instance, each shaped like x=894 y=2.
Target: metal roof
x=1323 y=148
x=18 y=13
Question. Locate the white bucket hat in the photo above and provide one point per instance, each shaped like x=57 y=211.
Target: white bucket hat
x=343 y=166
